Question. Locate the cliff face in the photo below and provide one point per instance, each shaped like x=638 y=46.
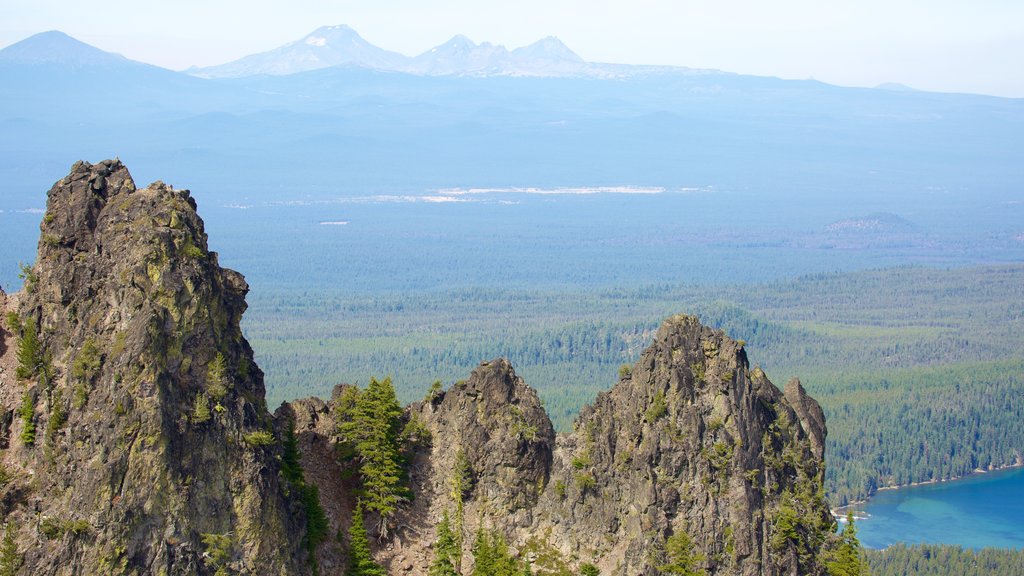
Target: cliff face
x=690 y=441
x=152 y=452
x=693 y=441
x=134 y=436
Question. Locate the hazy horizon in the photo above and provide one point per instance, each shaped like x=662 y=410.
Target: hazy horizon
x=939 y=46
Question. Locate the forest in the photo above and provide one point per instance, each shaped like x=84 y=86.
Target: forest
x=917 y=369
x=943 y=560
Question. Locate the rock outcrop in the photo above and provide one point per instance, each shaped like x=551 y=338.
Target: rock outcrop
x=153 y=451
x=135 y=439
x=691 y=441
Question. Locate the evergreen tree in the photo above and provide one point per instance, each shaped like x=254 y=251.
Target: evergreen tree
x=10 y=559
x=491 y=556
x=680 y=556
x=461 y=484
x=217 y=382
x=373 y=426
x=360 y=561
x=27 y=413
x=291 y=467
x=317 y=524
x=847 y=559
x=30 y=351
x=445 y=550
x=483 y=554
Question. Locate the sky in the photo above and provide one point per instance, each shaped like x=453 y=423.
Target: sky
x=974 y=46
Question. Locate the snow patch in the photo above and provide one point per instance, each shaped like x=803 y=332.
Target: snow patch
x=318 y=41
x=551 y=191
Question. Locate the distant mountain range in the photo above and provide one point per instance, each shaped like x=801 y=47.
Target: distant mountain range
x=55 y=47
x=359 y=120
x=332 y=46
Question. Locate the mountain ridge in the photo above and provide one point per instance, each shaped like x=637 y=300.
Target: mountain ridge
x=458 y=56
x=137 y=439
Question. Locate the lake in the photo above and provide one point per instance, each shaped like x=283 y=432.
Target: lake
x=978 y=511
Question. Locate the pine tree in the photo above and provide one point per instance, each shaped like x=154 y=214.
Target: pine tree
x=483 y=554
x=461 y=484
x=27 y=413
x=491 y=556
x=681 y=557
x=30 y=353
x=373 y=426
x=360 y=561
x=445 y=550
x=217 y=382
x=10 y=559
x=291 y=467
x=847 y=559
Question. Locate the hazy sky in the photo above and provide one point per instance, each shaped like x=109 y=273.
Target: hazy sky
x=945 y=45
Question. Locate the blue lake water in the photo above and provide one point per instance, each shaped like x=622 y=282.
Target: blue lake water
x=977 y=511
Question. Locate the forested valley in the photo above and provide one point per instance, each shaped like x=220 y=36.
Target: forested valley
x=918 y=369
x=943 y=560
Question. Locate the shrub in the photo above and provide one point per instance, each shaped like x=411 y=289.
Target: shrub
x=585 y=481
x=258 y=438
x=29 y=276
x=201 y=409
x=657 y=409
x=87 y=363
x=218 y=551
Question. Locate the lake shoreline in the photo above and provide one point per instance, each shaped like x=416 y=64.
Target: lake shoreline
x=841 y=511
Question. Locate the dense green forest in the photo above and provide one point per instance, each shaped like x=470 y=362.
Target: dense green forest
x=918 y=370
x=944 y=560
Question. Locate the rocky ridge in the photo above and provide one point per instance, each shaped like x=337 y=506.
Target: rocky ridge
x=153 y=451
x=690 y=440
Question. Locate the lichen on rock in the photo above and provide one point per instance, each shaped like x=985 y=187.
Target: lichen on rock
x=131 y=309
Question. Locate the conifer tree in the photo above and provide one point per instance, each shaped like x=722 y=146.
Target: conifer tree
x=483 y=554
x=373 y=427
x=360 y=561
x=10 y=559
x=461 y=483
x=30 y=353
x=217 y=382
x=445 y=550
x=847 y=559
x=27 y=411
x=491 y=556
x=682 y=559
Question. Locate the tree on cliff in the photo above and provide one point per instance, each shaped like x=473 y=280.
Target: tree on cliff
x=360 y=561
x=847 y=559
x=446 y=550
x=10 y=559
x=372 y=425
x=491 y=556
x=681 y=557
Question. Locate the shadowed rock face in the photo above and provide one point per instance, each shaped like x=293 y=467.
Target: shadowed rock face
x=158 y=388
